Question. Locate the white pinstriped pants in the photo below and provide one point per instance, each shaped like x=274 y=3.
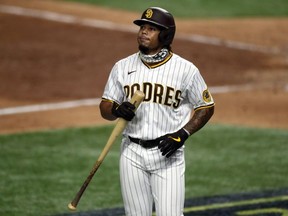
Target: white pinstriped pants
x=146 y=177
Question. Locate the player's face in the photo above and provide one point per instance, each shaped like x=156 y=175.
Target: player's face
x=148 y=39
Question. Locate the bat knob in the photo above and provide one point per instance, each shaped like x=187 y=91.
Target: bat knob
x=71 y=207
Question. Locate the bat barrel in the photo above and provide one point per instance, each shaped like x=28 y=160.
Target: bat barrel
x=72 y=207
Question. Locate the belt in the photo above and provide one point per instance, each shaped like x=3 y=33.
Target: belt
x=146 y=143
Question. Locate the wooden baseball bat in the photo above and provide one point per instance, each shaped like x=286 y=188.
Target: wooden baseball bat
x=118 y=129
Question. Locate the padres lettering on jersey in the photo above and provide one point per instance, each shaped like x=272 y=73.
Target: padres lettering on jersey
x=156 y=93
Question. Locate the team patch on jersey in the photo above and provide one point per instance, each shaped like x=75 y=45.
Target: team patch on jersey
x=207 y=96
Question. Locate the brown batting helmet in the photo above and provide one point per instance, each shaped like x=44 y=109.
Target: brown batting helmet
x=163 y=20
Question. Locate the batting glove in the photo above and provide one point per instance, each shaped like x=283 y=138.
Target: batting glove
x=125 y=110
x=172 y=142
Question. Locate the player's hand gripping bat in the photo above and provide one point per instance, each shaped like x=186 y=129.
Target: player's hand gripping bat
x=118 y=129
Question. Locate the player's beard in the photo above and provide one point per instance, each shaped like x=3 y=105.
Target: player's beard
x=146 y=50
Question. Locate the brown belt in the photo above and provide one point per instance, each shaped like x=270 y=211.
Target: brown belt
x=146 y=143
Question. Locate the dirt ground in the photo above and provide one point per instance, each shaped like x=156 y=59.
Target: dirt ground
x=45 y=61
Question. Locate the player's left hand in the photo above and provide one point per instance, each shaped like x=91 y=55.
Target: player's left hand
x=172 y=142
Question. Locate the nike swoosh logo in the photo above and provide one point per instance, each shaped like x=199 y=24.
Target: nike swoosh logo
x=178 y=139
x=130 y=72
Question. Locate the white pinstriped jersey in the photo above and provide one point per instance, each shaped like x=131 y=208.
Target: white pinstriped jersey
x=172 y=90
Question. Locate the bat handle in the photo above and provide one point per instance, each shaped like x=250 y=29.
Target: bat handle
x=137 y=98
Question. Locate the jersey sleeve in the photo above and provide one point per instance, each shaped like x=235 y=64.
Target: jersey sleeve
x=198 y=93
x=113 y=90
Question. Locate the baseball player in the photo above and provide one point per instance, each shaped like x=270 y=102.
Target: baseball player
x=177 y=103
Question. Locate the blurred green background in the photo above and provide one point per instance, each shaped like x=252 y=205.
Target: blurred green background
x=203 y=8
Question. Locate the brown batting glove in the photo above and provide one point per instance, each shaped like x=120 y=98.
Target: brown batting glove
x=125 y=110
x=172 y=142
